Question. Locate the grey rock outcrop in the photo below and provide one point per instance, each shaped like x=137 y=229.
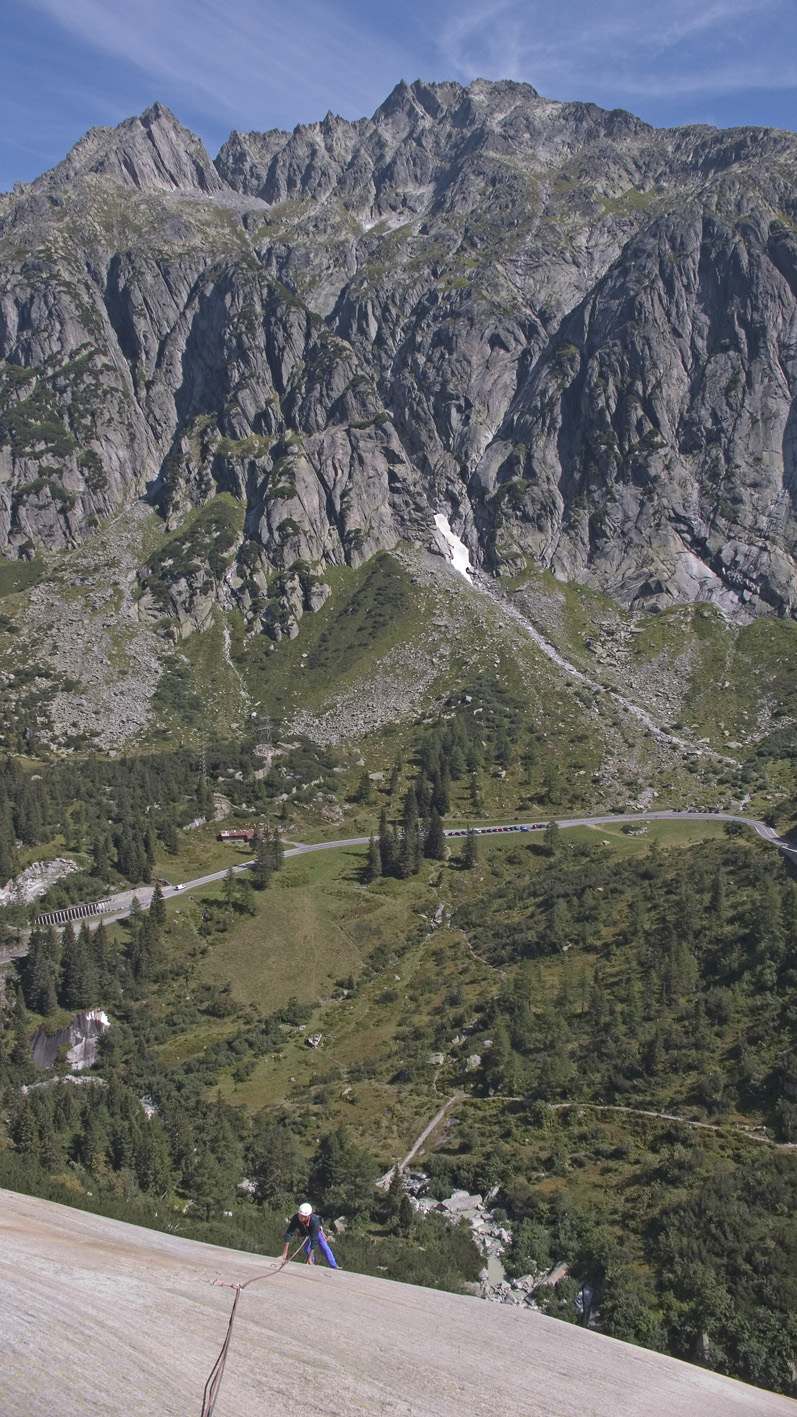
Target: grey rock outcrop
x=153 y=152
x=87 y=1284
x=574 y=334
x=80 y=1035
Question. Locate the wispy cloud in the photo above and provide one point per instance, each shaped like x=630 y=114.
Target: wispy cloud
x=265 y=63
x=625 y=49
x=249 y=61
x=248 y=58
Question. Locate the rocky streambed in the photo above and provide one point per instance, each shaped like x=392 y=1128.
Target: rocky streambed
x=492 y=1235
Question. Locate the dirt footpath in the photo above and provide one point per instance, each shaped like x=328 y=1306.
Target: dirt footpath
x=101 y=1318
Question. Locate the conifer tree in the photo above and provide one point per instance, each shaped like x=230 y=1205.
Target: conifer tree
x=20 y=1048
x=51 y=1153
x=78 y=825
x=423 y=798
x=409 y=853
x=767 y=929
x=343 y=1172
x=470 y=850
x=718 y=897
x=441 y=796
x=503 y=748
x=560 y=925
x=63 y=1108
x=387 y=845
x=435 y=843
x=143 y=945
x=457 y=763
x=131 y=853
x=406 y=1216
x=29 y=818
x=93 y=1139
x=40 y=972
x=76 y=981
x=373 y=865
x=229 y=887
x=498 y=1060
x=168 y=835
x=100 y=951
x=8 y=855
x=209 y=1181
x=393 y=1197
x=552 y=781
x=157 y=908
x=246 y=894
x=274 y=1159
x=23 y=1130
x=101 y=855
x=263 y=867
x=474 y=757
x=152 y=1160
x=365 y=790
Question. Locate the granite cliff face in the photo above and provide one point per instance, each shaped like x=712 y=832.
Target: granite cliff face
x=574 y=334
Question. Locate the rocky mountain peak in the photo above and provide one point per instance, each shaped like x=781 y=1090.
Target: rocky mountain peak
x=572 y=333
x=152 y=153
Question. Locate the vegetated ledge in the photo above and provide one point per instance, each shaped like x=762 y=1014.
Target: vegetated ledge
x=96 y=1305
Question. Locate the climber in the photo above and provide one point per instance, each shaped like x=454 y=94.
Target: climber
x=308 y=1225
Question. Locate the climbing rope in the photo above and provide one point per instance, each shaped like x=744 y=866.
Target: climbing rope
x=217 y=1371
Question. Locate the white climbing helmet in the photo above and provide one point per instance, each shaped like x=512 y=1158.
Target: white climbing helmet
x=305 y=1209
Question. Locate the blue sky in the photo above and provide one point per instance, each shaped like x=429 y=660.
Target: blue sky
x=223 y=64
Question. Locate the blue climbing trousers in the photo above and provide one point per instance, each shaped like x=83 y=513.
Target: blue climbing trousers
x=323 y=1247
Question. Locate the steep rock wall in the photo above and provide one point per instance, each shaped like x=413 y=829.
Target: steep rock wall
x=573 y=333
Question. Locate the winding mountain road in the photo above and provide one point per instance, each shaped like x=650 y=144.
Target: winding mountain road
x=767 y=833
x=120 y=905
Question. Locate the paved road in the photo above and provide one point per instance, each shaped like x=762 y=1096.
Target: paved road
x=768 y=834
x=99 y=1316
x=121 y=903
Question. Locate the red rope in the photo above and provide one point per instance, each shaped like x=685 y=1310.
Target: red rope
x=217 y=1371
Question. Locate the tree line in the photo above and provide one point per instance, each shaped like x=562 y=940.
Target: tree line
x=116 y=811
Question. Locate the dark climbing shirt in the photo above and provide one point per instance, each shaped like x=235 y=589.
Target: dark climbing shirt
x=310 y=1227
